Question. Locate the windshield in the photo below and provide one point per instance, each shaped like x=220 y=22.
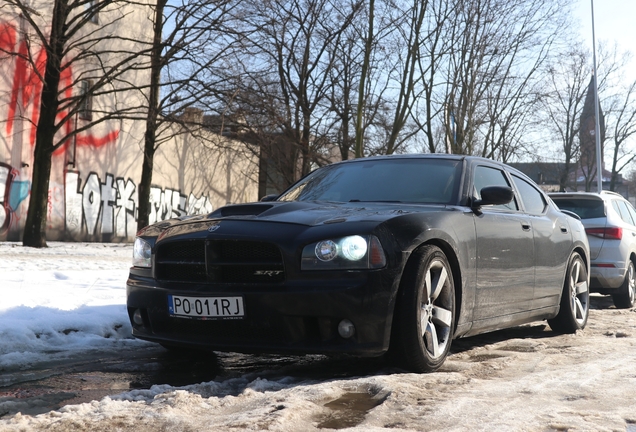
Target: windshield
x=381 y=180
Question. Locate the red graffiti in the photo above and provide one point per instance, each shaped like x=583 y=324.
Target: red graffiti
x=27 y=89
x=7 y=38
x=91 y=140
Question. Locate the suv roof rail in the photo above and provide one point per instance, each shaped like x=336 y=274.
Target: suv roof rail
x=606 y=192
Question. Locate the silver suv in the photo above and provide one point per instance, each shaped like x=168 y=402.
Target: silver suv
x=610 y=224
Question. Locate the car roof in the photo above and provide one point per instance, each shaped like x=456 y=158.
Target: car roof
x=586 y=195
x=428 y=156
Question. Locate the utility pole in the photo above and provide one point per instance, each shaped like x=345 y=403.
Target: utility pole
x=597 y=127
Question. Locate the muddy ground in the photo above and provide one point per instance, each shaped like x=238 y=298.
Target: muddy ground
x=524 y=378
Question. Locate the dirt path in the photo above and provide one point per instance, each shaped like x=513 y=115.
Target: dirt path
x=525 y=378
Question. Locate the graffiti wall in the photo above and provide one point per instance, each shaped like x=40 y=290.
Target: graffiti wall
x=107 y=207
x=93 y=190
x=12 y=193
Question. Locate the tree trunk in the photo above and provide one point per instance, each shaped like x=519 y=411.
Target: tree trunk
x=151 y=120
x=35 y=226
x=368 y=46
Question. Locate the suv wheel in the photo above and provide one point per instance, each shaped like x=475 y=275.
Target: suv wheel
x=626 y=294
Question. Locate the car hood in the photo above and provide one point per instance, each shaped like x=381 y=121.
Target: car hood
x=296 y=212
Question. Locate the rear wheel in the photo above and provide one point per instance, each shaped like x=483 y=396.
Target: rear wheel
x=626 y=294
x=575 y=300
x=425 y=312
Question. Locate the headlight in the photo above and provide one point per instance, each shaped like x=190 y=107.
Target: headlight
x=141 y=253
x=345 y=253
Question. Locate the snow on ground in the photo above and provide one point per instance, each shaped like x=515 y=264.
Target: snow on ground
x=60 y=300
x=70 y=298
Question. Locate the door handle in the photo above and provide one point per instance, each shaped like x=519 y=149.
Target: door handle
x=525 y=226
x=564 y=230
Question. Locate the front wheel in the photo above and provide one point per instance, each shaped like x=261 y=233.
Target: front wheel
x=575 y=300
x=425 y=312
x=626 y=294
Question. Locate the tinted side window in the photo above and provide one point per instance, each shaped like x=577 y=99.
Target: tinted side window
x=532 y=199
x=487 y=176
x=624 y=212
x=585 y=208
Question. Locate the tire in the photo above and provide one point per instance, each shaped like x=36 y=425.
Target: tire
x=575 y=300
x=424 y=320
x=626 y=294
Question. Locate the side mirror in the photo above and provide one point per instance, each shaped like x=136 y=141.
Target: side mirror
x=271 y=197
x=494 y=195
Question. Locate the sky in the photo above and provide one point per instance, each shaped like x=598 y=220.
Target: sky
x=614 y=21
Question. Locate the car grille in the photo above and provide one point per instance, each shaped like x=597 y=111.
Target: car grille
x=228 y=261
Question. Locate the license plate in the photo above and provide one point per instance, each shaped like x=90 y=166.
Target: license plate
x=206 y=307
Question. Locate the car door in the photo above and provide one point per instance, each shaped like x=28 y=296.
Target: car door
x=552 y=243
x=632 y=213
x=625 y=210
x=505 y=253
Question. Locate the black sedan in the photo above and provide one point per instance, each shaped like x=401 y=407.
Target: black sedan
x=398 y=254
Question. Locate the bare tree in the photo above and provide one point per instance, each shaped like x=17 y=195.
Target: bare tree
x=622 y=118
x=618 y=96
x=562 y=105
x=360 y=83
x=189 y=44
x=284 y=84
x=494 y=70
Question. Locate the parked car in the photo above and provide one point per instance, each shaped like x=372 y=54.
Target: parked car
x=610 y=223
x=397 y=254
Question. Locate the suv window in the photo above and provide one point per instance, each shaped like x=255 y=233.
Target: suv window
x=585 y=208
x=487 y=176
x=632 y=212
x=531 y=198
x=623 y=211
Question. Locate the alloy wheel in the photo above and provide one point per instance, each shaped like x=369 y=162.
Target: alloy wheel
x=579 y=291
x=436 y=314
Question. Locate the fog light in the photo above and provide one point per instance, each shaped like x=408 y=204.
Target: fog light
x=346 y=329
x=137 y=319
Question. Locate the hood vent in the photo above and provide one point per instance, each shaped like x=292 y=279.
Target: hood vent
x=240 y=210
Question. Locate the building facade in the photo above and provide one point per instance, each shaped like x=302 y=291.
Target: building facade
x=93 y=190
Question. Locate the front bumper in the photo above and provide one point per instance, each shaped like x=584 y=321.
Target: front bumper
x=291 y=317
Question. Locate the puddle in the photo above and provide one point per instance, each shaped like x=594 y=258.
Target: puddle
x=349 y=410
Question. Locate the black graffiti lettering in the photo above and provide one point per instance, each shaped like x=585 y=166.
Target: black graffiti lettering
x=97 y=208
